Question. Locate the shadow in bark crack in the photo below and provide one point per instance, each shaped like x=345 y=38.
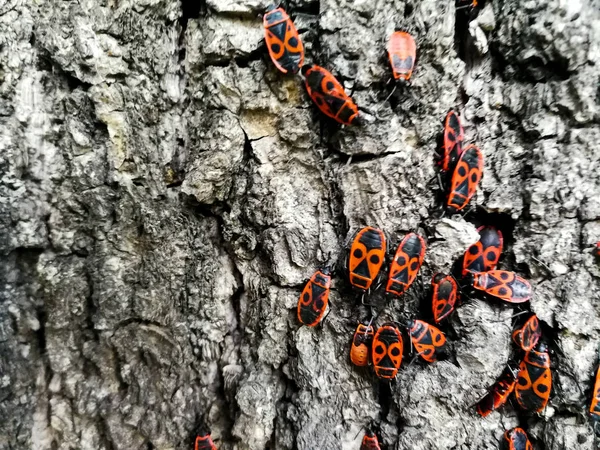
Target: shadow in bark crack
x=463 y=43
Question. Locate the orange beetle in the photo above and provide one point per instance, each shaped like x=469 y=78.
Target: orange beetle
x=402 y=52
x=370 y=442
x=314 y=299
x=204 y=442
x=465 y=178
x=428 y=340
x=284 y=44
x=444 y=295
x=367 y=253
x=387 y=351
x=528 y=334
x=483 y=255
x=534 y=382
x=361 y=344
x=503 y=284
x=329 y=95
x=406 y=264
x=454 y=136
x=500 y=391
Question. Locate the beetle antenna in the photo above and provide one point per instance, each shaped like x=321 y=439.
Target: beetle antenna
x=392 y=93
x=369 y=324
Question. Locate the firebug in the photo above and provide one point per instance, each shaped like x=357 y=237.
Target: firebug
x=406 y=264
x=499 y=391
x=370 y=442
x=502 y=284
x=204 y=442
x=427 y=340
x=452 y=146
x=366 y=256
x=284 y=44
x=465 y=178
x=361 y=345
x=483 y=255
x=314 y=299
x=527 y=335
x=387 y=351
x=402 y=52
x=443 y=297
x=535 y=379
x=516 y=439
x=329 y=95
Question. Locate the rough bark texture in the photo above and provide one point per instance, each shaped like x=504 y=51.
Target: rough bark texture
x=165 y=193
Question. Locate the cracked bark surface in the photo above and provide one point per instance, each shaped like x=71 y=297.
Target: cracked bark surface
x=165 y=193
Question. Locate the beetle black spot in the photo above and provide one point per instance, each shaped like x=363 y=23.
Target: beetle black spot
x=293 y=41
x=380 y=350
x=473 y=250
x=395 y=351
x=401 y=260
x=453 y=122
x=491 y=256
x=306 y=297
x=462 y=171
x=502 y=291
x=276 y=48
x=358 y=253
x=542 y=388
x=474 y=177
x=330 y=85
x=504 y=276
x=374 y=259
x=414 y=265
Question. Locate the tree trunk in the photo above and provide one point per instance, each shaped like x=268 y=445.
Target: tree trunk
x=166 y=192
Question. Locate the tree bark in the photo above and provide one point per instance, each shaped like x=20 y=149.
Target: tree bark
x=165 y=193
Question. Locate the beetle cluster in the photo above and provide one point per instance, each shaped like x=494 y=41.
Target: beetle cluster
x=533 y=388
x=287 y=53
x=475 y=271
x=385 y=346
x=382 y=346
x=461 y=169
x=464 y=166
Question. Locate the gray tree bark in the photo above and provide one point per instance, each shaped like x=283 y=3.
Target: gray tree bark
x=165 y=192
